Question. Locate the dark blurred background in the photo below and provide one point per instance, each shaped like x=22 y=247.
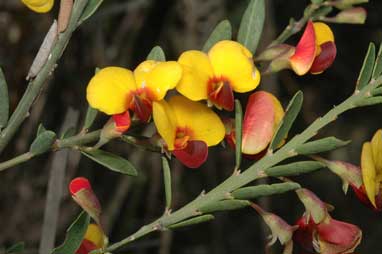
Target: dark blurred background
x=122 y=33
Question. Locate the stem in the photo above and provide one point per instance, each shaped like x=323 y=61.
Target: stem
x=35 y=86
x=252 y=173
x=15 y=161
x=295 y=26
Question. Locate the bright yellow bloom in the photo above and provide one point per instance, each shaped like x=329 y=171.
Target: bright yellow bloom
x=114 y=90
x=371 y=164
x=227 y=67
x=40 y=6
x=181 y=120
x=94 y=239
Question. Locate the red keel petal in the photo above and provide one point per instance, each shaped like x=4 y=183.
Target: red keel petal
x=221 y=96
x=142 y=108
x=325 y=59
x=193 y=155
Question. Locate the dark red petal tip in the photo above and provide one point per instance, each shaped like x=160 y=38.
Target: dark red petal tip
x=221 y=95
x=325 y=59
x=78 y=184
x=193 y=155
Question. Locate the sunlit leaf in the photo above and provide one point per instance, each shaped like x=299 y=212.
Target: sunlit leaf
x=292 y=169
x=264 y=190
x=156 y=54
x=224 y=205
x=193 y=221
x=321 y=145
x=367 y=67
x=223 y=31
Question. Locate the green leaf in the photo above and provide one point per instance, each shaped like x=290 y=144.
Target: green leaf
x=251 y=25
x=40 y=129
x=167 y=181
x=192 y=221
x=111 y=161
x=321 y=145
x=286 y=123
x=223 y=31
x=15 y=248
x=367 y=68
x=378 y=64
x=4 y=101
x=224 y=205
x=70 y=132
x=91 y=115
x=74 y=235
x=42 y=143
x=370 y=101
x=292 y=169
x=322 y=11
x=90 y=9
x=377 y=91
x=156 y=54
x=238 y=132
x=316 y=1
x=264 y=190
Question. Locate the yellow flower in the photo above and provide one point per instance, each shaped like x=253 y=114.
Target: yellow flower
x=371 y=164
x=40 y=6
x=188 y=128
x=227 y=67
x=114 y=90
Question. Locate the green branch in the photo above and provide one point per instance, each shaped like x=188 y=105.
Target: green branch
x=254 y=172
x=35 y=86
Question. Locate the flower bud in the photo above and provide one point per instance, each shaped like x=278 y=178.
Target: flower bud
x=356 y=15
x=315 y=209
x=115 y=127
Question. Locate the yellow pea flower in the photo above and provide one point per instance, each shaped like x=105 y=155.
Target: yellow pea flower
x=114 y=90
x=227 y=67
x=94 y=239
x=188 y=128
x=371 y=165
x=40 y=6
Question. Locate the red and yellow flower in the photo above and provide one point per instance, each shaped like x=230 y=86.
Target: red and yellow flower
x=94 y=239
x=262 y=116
x=227 y=67
x=40 y=6
x=115 y=90
x=188 y=128
x=315 y=51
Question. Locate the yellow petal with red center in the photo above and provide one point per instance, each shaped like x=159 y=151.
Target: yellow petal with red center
x=323 y=33
x=305 y=51
x=376 y=146
x=110 y=90
x=95 y=235
x=368 y=172
x=40 y=6
x=231 y=60
x=197 y=70
x=158 y=77
x=258 y=122
x=165 y=122
x=204 y=124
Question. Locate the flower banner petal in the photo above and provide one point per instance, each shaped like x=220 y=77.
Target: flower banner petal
x=368 y=172
x=165 y=122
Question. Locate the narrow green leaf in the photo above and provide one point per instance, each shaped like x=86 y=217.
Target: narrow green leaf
x=370 y=101
x=238 y=132
x=4 y=101
x=111 y=161
x=156 y=54
x=377 y=91
x=42 y=143
x=15 y=248
x=321 y=145
x=224 y=205
x=74 y=235
x=322 y=11
x=167 y=181
x=367 y=67
x=378 y=64
x=286 y=123
x=251 y=25
x=223 y=31
x=264 y=190
x=70 y=132
x=316 y=1
x=40 y=129
x=292 y=169
x=91 y=115
x=90 y=9
x=193 y=221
